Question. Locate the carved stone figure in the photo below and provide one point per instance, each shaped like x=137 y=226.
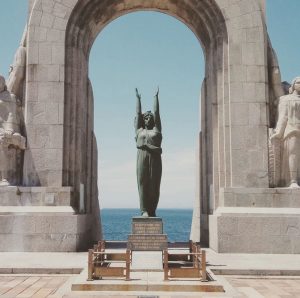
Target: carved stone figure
x=11 y=141
x=286 y=137
x=17 y=73
x=149 y=167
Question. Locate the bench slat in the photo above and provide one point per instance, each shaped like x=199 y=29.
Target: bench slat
x=178 y=257
x=110 y=271
x=116 y=256
x=184 y=273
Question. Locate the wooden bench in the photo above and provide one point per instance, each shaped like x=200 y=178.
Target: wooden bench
x=185 y=265
x=100 y=261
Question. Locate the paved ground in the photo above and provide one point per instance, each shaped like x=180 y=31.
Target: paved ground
x=44 y=281
x=30 y=286
x=271 y=287
x=69 y=263
x=55 y=286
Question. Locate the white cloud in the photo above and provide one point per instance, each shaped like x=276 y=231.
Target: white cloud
x=118 y=187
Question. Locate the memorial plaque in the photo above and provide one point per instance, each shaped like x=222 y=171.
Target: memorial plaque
x=147 y=242
x=141 y=225
x=147 y=234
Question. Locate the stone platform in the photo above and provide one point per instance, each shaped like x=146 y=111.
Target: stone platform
x=146 y=282
x=260 y=265
x=253 y=220
x=35 y=196
x=147 y=234
x=41 y=219
x=218 y=263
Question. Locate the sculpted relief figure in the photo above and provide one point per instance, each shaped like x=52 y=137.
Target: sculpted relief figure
x=149 y=167
x=17 y=73
x=11 y=141
x=286 y=137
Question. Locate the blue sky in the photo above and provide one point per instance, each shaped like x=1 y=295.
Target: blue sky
x=144 y=50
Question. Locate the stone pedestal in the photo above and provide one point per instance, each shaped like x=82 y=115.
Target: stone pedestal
x=147 y=234
x=256 y=220
x=41 y=219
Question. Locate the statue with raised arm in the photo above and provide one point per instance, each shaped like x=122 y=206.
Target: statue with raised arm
x=287 y=135
x=148 y=168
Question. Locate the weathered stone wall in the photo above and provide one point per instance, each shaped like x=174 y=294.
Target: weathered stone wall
x=58 y=114
x=238 y=104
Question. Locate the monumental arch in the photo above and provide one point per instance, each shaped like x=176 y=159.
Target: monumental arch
x=237 y=97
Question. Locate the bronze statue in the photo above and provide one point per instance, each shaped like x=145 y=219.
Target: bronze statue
x=149 y=168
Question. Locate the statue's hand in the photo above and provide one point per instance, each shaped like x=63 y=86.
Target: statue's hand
x=275 y=136
x=157 y=92
x=137 y=93
x=8 y=133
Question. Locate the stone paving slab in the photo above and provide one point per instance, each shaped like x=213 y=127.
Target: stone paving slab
x=244 y=211
x=253 y=264
x=146 y=261
x=245 y=286
x=58 y=286
x=30 y=286
x=42 y=263
x=35 y=262
x=147 y=282
x=254 y=286
x=36 y=209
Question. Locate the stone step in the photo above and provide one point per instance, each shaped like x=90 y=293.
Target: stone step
x=41 y=228
x=38 y=242
x=258 y=211
x=255 y=230
x=260 y=197
x=35 y=196
x=144 y=282
x=29 y=210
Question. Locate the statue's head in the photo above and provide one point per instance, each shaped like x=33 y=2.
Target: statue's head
x=295 y=85
x=148 y=119
x=2 y=84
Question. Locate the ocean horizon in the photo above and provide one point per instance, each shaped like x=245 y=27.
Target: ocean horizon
x=116 y=223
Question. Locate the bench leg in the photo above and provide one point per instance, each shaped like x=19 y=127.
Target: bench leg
x=203 y=266
x=128 y=264
x=166 y=267
x=90 y=265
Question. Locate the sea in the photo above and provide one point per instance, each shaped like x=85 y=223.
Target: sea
x=116 y=223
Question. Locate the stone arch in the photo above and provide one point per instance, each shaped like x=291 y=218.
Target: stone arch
x=59 y=95
x=88 y=19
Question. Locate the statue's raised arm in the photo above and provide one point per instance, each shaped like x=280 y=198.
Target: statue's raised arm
x=156 y=111
x=138 y=118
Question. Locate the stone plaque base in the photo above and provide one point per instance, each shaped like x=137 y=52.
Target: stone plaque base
x=147 y=234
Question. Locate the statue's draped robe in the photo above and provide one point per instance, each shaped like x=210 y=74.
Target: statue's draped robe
x=149 y=168
x=288 y=127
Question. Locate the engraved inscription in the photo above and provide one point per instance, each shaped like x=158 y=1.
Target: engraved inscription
x=147 y=228
x=147 y=242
